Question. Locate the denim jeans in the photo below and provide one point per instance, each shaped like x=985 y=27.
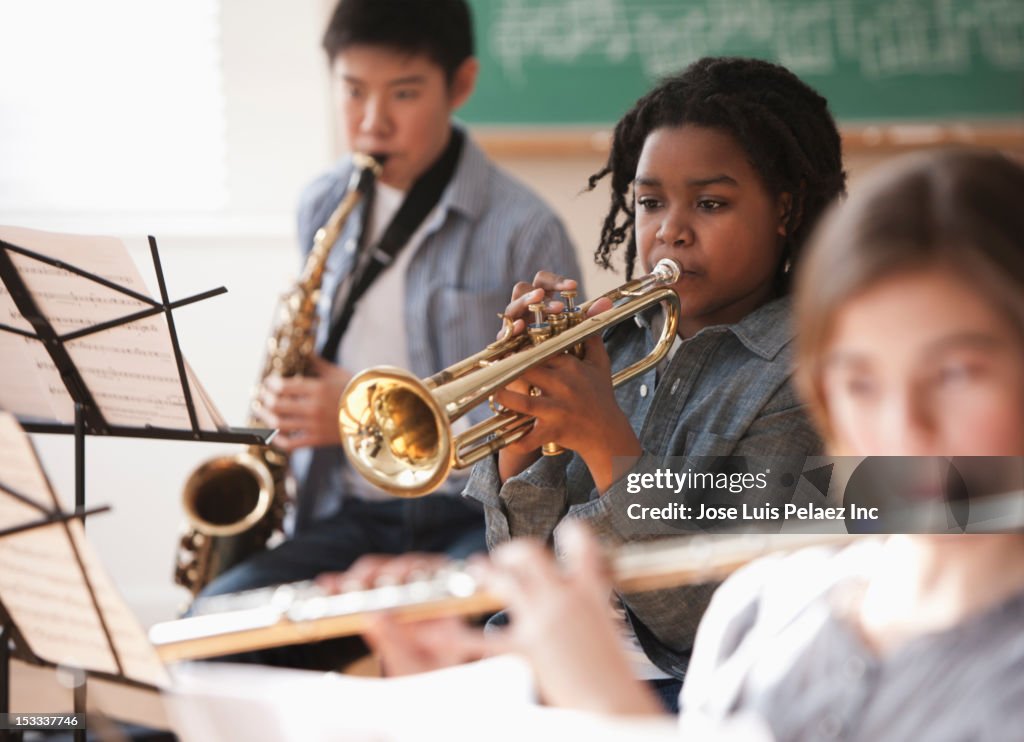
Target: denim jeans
x=667 y=691
x=438 y=523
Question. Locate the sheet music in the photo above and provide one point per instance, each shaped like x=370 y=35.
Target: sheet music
x=42 y=584
x=20 y=471
x=139 y=660
x=202 y=400
x=30 y=386
x=130 y=370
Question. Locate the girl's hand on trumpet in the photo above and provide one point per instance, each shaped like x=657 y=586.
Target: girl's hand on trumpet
x=517 y=458
x=572 y=400
x=543 y=289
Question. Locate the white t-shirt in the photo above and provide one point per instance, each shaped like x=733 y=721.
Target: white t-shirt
x=376 y=335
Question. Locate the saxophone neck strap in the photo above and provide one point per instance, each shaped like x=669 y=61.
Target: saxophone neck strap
x=372 y=260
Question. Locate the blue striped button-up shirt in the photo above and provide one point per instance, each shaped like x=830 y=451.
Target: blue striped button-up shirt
x=490 y=231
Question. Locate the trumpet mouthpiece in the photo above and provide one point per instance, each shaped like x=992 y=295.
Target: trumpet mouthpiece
x=667 y=271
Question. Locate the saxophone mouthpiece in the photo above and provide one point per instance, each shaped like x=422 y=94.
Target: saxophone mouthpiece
x=368 y=167
x=370 y=160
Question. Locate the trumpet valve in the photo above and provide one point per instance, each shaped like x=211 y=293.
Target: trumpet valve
x=573 y=313
x=551 y=449
x=558 y=321
x=539 y=330
x=573 y=316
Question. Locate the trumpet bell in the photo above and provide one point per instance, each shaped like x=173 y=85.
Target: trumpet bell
x=395 y=433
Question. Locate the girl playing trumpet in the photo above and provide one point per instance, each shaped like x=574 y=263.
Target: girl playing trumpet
x=725 y=168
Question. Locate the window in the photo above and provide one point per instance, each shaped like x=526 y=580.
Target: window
x=111 y=105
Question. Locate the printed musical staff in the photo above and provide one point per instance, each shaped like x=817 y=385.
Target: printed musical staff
x=129 y=369
x=49 y=576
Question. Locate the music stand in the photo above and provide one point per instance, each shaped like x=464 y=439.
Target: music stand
x=11 y=635
x=9 y=632
x=88 y=415
x=89 y=419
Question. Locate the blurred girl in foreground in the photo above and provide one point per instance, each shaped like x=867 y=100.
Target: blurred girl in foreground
x=910 y=312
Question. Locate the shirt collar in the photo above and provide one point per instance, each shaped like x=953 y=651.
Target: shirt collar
x=467 y=193
x=768 y=329
x=764 y=332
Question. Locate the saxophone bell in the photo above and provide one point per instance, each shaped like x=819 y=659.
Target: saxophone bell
x=229 y=494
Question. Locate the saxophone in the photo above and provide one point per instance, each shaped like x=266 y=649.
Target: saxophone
x=236 y=504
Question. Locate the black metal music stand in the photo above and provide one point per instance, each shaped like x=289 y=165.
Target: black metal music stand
x=54 y=343
x=89 y=419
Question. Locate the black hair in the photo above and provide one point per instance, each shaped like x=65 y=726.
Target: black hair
x=440 y=29
x=782 y=124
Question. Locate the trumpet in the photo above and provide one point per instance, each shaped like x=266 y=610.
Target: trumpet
x=397 y=429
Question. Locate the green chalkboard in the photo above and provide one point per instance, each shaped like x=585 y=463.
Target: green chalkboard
x=582 y=62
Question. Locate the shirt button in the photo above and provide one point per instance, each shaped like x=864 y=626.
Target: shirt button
x=350 y=246
x=643 y=390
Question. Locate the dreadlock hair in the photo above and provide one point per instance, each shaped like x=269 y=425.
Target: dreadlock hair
x=782 y=124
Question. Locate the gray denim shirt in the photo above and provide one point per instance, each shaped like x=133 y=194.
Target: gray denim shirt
x=725 y=392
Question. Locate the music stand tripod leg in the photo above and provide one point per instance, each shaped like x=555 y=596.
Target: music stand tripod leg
x=5 y=683
x=79 y=735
